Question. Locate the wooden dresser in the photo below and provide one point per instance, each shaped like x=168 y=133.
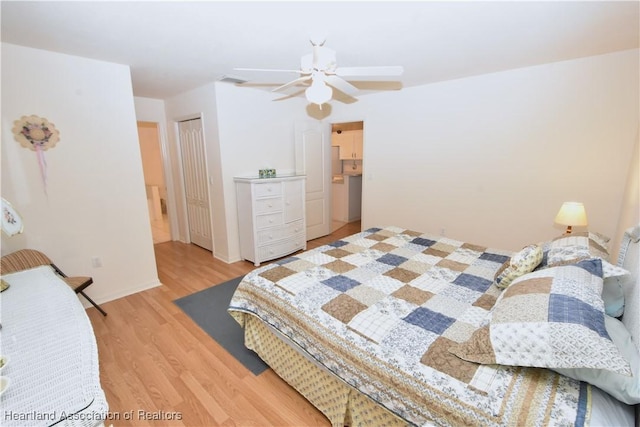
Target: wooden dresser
x=271 y=217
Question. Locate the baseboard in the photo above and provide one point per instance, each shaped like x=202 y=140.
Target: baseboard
x=120 y=294
x=227 y=260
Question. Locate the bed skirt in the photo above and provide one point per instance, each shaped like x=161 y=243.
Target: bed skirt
x=339 y=402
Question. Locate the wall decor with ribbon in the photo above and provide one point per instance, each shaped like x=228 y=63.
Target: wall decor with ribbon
x=37 y=134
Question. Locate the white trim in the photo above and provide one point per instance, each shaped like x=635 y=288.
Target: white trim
x=120 y=294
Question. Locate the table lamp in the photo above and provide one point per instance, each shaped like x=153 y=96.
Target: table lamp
x=571 y=214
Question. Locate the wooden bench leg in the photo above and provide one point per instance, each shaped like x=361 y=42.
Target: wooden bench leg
x=94 y=304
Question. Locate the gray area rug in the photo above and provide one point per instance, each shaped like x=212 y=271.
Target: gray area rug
x=208 y=308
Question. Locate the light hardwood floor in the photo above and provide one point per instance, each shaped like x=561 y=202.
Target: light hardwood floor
x=159 y=368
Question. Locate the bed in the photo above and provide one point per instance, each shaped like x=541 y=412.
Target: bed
x=396 y=327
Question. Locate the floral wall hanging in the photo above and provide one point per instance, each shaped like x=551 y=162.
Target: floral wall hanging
x=37 y=134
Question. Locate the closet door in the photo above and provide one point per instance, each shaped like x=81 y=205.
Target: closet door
x=196 y=190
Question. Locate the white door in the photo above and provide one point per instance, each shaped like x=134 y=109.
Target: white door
x=196 y=190
x=313 y=159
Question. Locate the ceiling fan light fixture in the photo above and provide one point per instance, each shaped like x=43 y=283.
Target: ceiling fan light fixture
x=319 y=92
x=321 y=70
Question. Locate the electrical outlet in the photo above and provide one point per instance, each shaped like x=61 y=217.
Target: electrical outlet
x=96 y=262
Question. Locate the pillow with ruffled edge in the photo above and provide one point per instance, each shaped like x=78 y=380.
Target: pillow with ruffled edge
x=597 y=244
x=551 y=318
x=611 y=270
x=571 y=248
x=521 y=263
x=577 y=246
x=625 y=389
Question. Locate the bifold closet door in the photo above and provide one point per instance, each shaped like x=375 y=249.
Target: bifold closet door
x=194 y=167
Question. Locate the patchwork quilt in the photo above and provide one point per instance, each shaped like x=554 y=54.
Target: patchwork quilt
x=381 y=308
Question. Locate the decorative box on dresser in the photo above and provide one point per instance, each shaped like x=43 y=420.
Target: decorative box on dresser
x=271 y=217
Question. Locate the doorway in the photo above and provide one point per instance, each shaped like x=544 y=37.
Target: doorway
x=154 y=180
x=347 y=159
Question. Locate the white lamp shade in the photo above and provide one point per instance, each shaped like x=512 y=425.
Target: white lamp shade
x=572 y=214
x=319 y=92
x=11 y=219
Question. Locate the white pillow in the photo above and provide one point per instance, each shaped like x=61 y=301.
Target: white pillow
x=578 y=246
x=571 y=248
x=624 y=388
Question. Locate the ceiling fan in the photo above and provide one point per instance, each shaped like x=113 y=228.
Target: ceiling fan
x=320 y=72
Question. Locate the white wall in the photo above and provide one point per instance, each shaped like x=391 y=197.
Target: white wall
x=95 y=204
x=490 y=159
x=630 y=208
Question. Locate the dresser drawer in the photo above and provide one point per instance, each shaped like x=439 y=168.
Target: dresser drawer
x=271 y=217
x=268 y=205
x=269 y=220
x=277 y=233
x=267 y=189
x=280 y=249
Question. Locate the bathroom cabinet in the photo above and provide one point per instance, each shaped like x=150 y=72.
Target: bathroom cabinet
x=350 y=143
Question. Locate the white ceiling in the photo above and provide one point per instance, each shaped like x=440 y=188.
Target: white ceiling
x=174 y=46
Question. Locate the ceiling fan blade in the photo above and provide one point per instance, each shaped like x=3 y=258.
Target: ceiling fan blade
x=292 y=95
x=376 y=85
x=369 y=71
x=268 y=69
x=292 y=83
x=343 y=97
x=341 y=85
